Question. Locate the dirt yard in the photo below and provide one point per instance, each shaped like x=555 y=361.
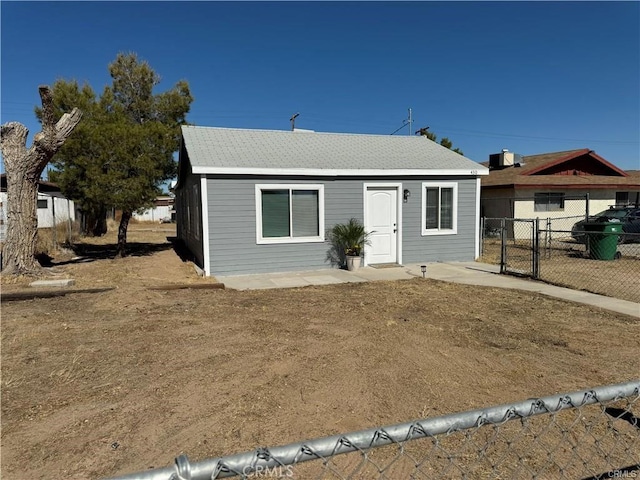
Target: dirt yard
x=100 y=384
x=567 y=265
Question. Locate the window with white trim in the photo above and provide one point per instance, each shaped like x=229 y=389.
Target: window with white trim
x=439 y=208
x=43 y=203
x=289 y=213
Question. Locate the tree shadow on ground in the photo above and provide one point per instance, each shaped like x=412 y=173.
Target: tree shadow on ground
x=85 y=253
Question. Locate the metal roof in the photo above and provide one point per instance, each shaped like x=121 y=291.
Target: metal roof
x=242 y=151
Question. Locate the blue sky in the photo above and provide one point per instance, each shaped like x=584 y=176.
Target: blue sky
x=532 y=77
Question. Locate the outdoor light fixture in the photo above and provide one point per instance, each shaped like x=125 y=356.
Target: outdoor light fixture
x=406 y=194
x=423 y=269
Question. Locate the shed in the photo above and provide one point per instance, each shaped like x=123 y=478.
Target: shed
x=162 y=210
x=257 y=201
x=53 y=208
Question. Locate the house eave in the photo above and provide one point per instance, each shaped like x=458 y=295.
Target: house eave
x=338 y=172
x=573 y=155
x=496 y=187
x=566 y=186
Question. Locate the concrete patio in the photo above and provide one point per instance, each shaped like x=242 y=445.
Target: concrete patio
x=470 y=273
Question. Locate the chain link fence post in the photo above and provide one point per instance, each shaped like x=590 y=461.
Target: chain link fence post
x=503 y=245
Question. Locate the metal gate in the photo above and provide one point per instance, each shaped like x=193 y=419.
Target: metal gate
x=519 y=249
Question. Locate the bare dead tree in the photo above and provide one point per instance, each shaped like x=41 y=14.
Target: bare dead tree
x=23 y=168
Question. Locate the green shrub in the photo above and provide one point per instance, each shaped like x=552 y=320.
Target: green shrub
x=350 y=237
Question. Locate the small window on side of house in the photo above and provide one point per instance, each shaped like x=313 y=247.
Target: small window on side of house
x=195 y=212
x=439 y=208
x=548 y=202
x=622 y=198
x=43 y=203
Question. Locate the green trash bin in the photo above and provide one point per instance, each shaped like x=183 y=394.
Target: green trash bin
x=603 y=239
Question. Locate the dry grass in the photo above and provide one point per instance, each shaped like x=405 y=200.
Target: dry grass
x=90 y=260
x=50 y=240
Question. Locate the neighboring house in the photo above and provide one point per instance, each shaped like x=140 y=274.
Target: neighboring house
x=162 y=209
x=549 y=185
x=53 y=207
x=251 y=201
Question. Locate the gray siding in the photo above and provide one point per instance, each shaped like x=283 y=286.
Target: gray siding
x=232 y=225
x=439 y=248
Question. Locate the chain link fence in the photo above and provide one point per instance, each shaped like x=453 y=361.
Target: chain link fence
x=588 y=434
x=603 y=263
x=558 y=250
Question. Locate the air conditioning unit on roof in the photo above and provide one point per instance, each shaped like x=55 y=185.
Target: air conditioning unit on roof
x=504 y=159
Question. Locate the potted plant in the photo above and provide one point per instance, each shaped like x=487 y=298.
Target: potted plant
x=350 y=238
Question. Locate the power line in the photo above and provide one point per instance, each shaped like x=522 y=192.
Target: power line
x=14 y=110
x=380 y=124
x=405 y=122
x=475 y=133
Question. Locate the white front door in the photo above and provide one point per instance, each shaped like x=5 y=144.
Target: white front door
x=381 y=218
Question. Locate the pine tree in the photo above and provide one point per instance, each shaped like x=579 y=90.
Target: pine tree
x=124 y=150
x=445 y=142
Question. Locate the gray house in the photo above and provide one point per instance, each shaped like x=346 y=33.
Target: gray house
x=253 y=201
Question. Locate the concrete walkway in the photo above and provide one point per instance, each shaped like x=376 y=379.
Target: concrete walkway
x=470 y=273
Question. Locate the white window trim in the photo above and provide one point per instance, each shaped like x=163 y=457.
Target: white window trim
x=438 y=231
x=289 y=186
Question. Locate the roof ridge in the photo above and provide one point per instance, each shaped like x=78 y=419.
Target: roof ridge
x=346 y=134
x=224 y=149
x=556 y=153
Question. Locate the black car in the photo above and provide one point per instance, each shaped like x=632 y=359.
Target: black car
x=628 y=216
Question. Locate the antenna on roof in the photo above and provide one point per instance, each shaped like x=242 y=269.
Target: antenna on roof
x=405 y=122
x=293 y=121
